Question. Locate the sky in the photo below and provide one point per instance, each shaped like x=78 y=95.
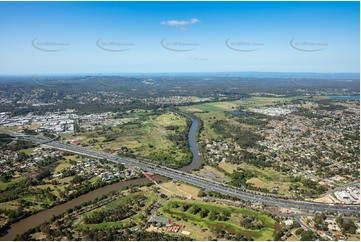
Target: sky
x=144 y=37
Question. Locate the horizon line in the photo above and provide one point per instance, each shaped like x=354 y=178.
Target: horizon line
x=184 y=72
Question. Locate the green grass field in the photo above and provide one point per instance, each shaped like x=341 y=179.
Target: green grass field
x=210 y=112
x=151 y=197
x=251 y=102
x=264 y=178
x=27 y=151
x=146 y=137
x=216 y=106
x=4 y=185
x=231 y=225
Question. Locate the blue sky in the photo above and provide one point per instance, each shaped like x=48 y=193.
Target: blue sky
x=123 y=37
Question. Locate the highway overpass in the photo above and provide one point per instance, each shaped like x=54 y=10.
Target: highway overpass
x=191 y=179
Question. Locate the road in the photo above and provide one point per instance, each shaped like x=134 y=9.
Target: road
x=341 y=188
x=303 y=225
x=191 y=179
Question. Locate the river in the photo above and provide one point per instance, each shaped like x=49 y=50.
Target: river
x=193 y=145
x=35 y=220
x=347 y=98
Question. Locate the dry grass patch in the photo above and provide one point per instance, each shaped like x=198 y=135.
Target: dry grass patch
x=292 y=238
x=179 y=189
x=11 y=205
x=353 y=238
x=258 y=183
x=191 y=109
x=170 y=119
x=228 y=167
x=38 y=236
x=326 y=199
x=214 y=170
x=61 y=166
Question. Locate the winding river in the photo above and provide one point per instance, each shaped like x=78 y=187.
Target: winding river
x=193 y=145
x=35 y=220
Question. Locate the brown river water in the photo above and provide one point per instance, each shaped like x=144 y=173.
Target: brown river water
x=32 y=221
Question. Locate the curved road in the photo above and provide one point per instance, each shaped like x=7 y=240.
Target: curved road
x=204 y=183
x=179 y=175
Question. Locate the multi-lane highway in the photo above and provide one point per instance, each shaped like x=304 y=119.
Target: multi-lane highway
x=198 y=181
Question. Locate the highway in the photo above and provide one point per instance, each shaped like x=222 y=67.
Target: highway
x=196 y=180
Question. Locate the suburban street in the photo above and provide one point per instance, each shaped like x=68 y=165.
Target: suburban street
x=196 y=180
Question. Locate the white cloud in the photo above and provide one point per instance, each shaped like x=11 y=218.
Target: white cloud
x=194 y=20
x=180 y=23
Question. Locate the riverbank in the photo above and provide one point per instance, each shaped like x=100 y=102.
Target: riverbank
x=32 y=221
x=193 y=144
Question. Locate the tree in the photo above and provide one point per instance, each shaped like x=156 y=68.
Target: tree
x=203 y=213
x=185 y=207
x=226 y=213
x=299 y=231
x=307 y=235
x=77 y=179
x=121 y=167
x=201 y=193
x=349 y=227
x=279 y=235
x=212 y=216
